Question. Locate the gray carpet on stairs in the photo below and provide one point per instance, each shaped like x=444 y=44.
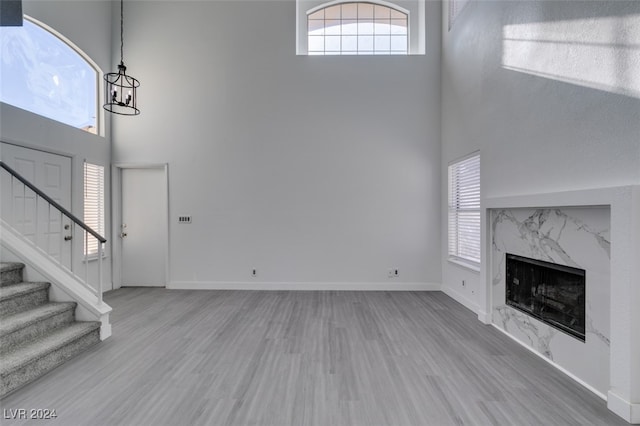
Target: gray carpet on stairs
x=36 y=335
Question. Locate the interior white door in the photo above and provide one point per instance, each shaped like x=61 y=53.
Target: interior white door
x=144 y=227
x=31 y=215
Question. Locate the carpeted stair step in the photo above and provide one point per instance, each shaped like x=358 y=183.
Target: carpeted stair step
x=10 y=273
x=32 y=360
x=22 y=296
x=25 y=326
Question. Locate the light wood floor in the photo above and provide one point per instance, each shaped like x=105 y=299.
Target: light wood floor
x=305 y=358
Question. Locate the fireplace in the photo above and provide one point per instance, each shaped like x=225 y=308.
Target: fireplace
x=552 y=293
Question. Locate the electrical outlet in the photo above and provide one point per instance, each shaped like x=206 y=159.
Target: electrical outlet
x=392 y=273
x=463 y=283
x=254 y=272
x=184 y=219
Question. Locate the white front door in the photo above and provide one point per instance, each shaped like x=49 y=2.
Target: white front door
x=144 y=227
x=30 y=215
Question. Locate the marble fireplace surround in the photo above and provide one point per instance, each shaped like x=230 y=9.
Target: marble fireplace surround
x=599 y=231
x=571 y=236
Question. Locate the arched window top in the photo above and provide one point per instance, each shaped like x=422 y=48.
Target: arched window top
x=357 y=28
x=46 y=74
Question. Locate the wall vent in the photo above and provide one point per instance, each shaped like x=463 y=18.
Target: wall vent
x=184 y=219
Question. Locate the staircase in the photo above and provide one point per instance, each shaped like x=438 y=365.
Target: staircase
x=36 y=335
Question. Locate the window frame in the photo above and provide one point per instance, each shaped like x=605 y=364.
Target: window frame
x=415 y=10
x=99 y=75
x=99 y=204
x=467 y=192
x=358 y=21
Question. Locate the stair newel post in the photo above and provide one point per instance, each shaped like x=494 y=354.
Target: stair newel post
x=86 y=256
x=72 y=262
x=61 y=239
x=13 y=203
x=100 y=272
x=24 y=209
x=37 y=221
x=49 y=229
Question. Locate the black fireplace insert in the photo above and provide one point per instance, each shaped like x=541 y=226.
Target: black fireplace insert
x=555 y=294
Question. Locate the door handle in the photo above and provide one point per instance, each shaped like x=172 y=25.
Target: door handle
x=68 y=237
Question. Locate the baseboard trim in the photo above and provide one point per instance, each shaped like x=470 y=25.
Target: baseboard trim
x=460 y=298
x=626 y=410
x=562 y=369
x=484 y=317
x=307 y=286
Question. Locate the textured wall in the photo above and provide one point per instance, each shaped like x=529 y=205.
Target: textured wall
x=309 y=169
x=549 y=92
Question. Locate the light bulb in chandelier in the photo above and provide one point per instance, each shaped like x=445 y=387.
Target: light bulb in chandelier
x=120 y=89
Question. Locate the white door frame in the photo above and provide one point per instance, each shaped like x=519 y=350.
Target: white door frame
x=116 y=217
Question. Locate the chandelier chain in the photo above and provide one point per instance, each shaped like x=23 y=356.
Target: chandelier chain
x=120 y=89
x=121 y=31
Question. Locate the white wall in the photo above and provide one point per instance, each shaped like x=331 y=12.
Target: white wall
x=88 y=25
x=549 y=92
x=309 y=169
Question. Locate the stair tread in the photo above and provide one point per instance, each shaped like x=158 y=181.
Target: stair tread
x=16 y=321
x=19 y=289
x=10 y=266
x=25 y=354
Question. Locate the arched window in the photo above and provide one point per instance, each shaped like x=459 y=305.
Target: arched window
x=46 y=74
x=357 y=29
x=369 y=27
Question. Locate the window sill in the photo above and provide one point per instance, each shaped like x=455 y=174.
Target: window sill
x=465 y=264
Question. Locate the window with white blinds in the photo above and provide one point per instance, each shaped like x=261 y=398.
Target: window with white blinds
x=93 y=205
x=464 y=209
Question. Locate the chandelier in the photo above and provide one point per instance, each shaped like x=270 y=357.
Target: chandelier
x=120 y=89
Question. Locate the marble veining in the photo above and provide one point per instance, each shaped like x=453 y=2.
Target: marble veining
x=571 y=236
x=543 y=232
x=592 y=329
x=539 y=339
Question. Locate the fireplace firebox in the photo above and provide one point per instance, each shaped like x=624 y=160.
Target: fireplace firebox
x=552 y=293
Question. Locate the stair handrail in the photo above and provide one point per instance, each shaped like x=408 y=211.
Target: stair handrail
x=75 y=222
x=48 y=199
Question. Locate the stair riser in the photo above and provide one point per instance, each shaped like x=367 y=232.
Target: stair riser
x=35 y=330
x=24 y=302
x=27 y=373
x=13 y=276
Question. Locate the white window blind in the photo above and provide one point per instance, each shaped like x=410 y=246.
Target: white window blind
x=93 y=205
x=464 y=209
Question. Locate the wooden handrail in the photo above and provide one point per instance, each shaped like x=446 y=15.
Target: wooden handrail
x=52 y=202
